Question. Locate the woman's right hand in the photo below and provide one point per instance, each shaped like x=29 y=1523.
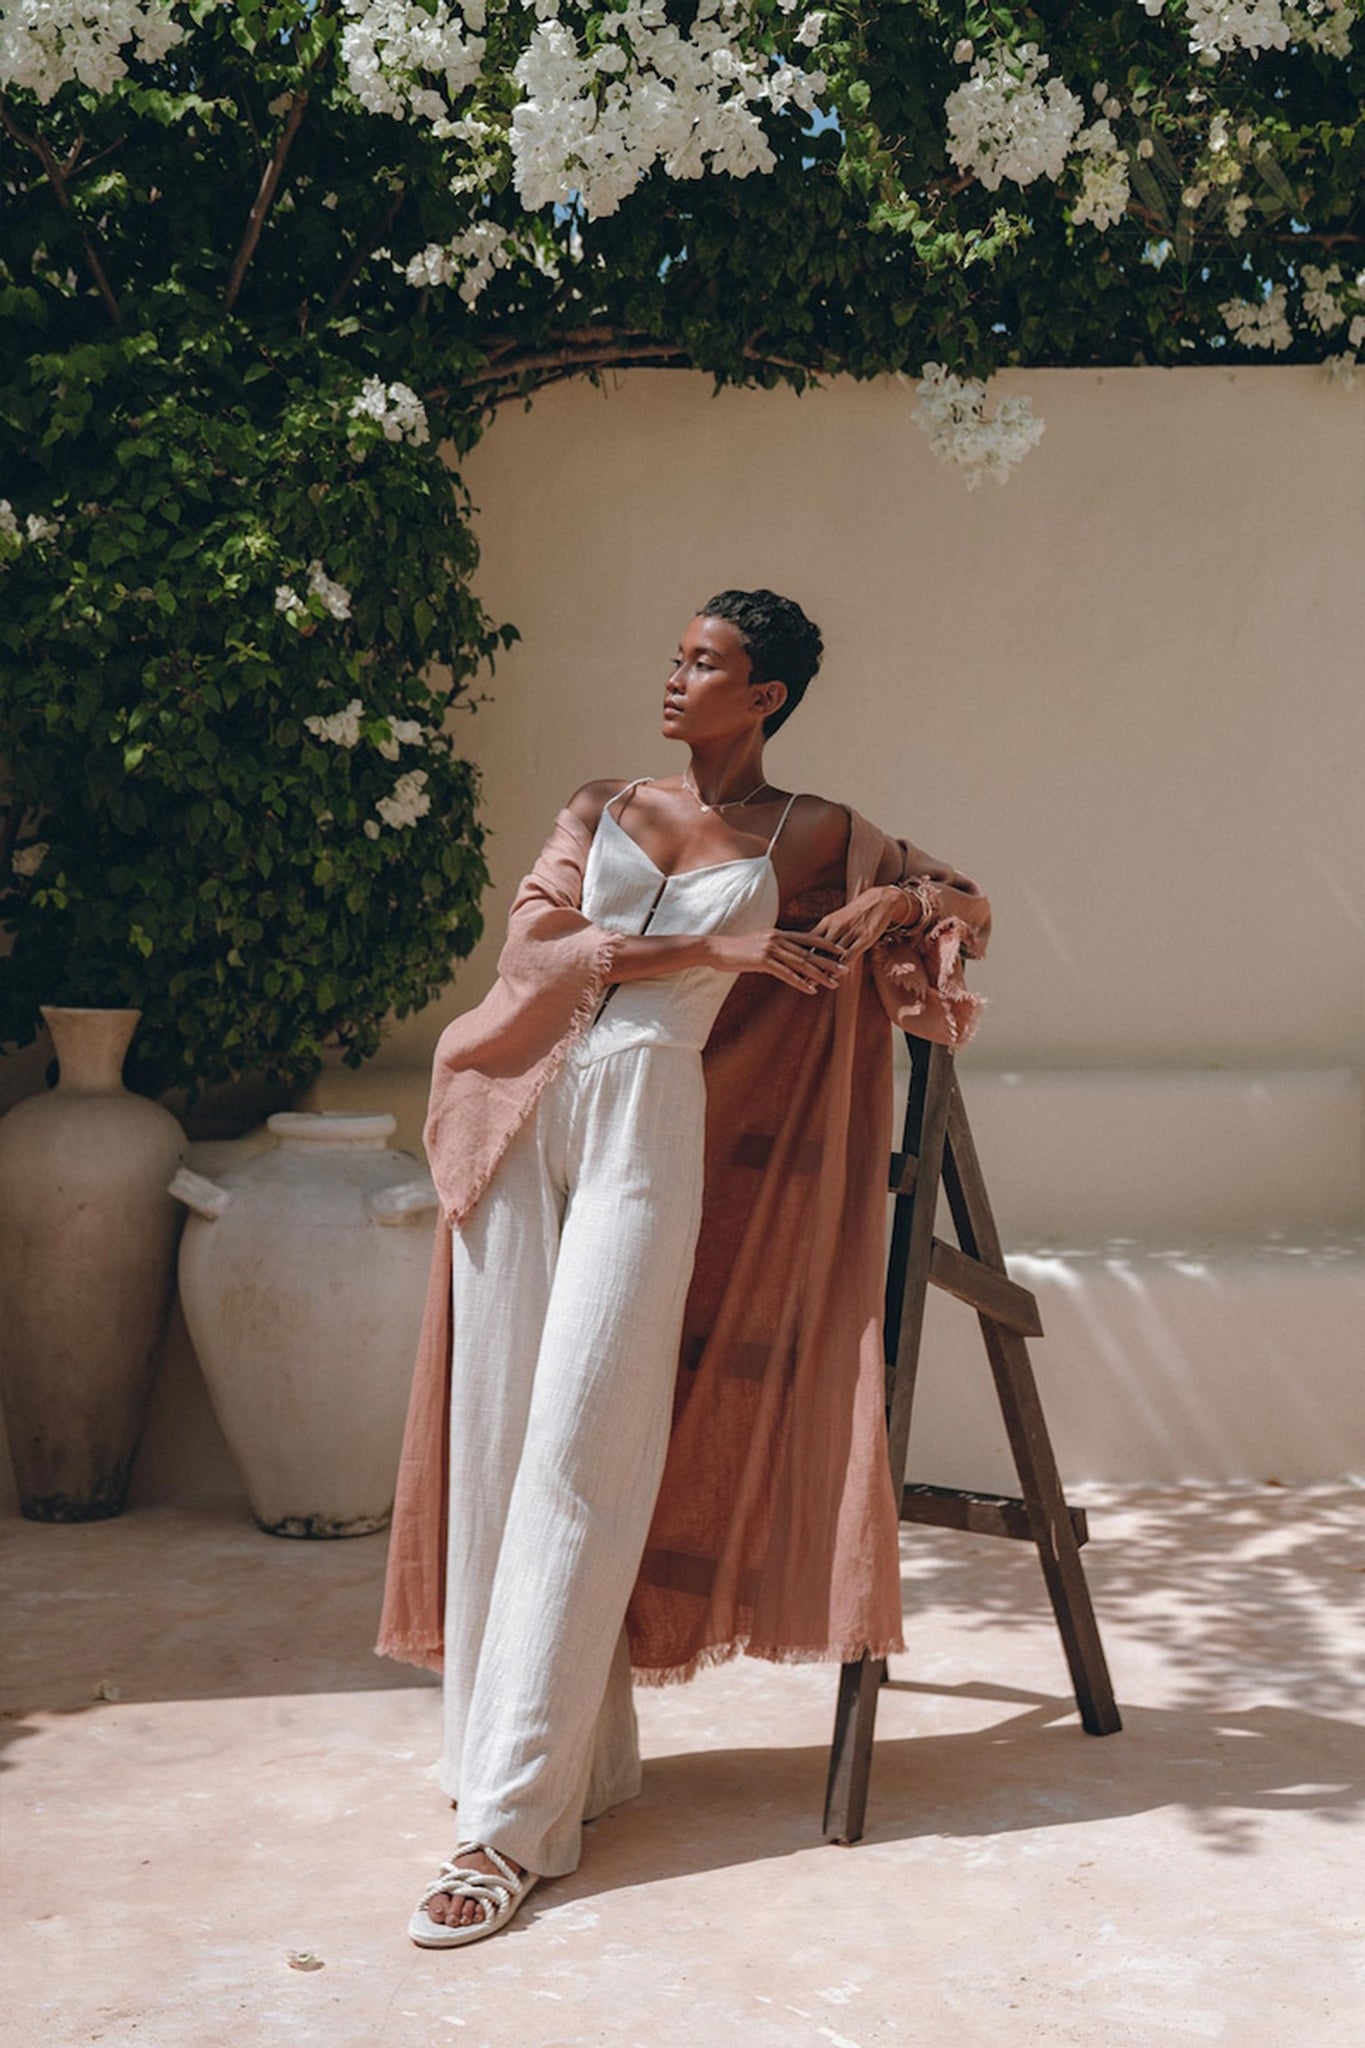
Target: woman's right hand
x=799 y=958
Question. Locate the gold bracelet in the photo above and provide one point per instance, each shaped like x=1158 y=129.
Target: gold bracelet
x=915 y=904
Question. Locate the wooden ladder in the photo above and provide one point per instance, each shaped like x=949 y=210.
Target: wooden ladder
x=938 y=1148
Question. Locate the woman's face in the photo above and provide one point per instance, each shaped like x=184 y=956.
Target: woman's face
x=710 y=693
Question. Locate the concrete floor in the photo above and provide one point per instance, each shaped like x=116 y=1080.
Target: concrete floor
x=209 y=1772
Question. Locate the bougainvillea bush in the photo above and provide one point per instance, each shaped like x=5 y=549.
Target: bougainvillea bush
x=267 y=271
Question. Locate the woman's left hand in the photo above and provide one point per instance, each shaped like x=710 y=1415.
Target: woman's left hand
x=859 y=924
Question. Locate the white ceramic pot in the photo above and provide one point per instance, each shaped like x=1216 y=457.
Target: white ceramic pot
x=303 y=1275
x=87 y=1259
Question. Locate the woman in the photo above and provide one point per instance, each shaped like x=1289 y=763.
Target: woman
x=579 y=1149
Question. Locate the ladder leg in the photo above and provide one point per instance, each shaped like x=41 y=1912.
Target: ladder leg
x=1053 y=1532
x=1049 y=1519
x=913 y=1244
x=850 y=1757
x=912 y=1237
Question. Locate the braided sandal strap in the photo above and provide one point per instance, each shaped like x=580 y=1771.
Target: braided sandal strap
x=460 y=1881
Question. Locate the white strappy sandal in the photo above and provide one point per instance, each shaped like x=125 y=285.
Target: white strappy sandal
x=499 y=1897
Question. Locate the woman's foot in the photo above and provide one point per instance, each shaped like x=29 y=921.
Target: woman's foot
x=478 y=1892
x=457 y=1912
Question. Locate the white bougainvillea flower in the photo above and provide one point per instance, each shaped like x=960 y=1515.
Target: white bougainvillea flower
x=403 y=732
x=468 y=261
x=28 y=859
x=1320 y=301
x=396 y=408
x=1323 y=25
x=1218 y=28
x=1236 y=213
x=1004 y=122
x=39 y=528
x=952 y=414
x=395 y=52
x=408 y=802
x=45 y=44
x=339 y=728
x=9 y=523
x=1104 y=190
x=1260 y=323
x=287 y=599
x=334 y=597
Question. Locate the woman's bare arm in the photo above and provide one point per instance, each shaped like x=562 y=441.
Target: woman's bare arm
x=802 y=959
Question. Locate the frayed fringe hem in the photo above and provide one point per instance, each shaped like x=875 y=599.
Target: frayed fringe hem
x=410 y=1650
x=768 y=1653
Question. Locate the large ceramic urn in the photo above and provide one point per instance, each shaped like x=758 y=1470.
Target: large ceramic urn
x=303 y=1275
x=87 y=1260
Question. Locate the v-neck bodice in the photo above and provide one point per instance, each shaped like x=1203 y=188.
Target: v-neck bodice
x=625 y=891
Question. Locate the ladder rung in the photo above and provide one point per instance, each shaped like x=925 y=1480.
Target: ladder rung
x=980 y=1514
x=982 y=1288
x=904 y=1167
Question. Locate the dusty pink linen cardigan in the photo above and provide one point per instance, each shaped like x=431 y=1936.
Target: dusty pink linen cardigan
x=775 y=1530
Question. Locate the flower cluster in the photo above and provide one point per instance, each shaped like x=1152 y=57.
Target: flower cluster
x=1323 y=25
x=409 y=802
x=44 y=44
x=1330 y=302
x=1104 y=190
x=952 y=413
x=590 y=122
x=34 y=528
x=594 y=122
x=342 y=729
x=1260 y=323
x=333 y=597
x=1003 y=122
x=1220 y=26
x=1326 y=297
x=395 y=408
x=339 y=728
x=393 y=49
x=468 y=261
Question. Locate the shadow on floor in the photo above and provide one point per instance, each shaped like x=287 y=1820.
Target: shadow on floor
x=185 y=1604
x=1231 y=1586
x=1229 y=1774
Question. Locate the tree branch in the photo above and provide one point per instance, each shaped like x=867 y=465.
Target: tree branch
x=606 y=348
x=57 y=179
x=568 y=360
x=270 y=179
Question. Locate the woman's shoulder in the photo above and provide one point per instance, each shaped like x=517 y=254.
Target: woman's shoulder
x=818 y=831
x=588 y=803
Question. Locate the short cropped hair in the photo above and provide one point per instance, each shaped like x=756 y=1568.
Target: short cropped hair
x=782 y=644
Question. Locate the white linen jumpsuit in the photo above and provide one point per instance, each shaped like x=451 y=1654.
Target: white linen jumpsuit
x=569 y=1282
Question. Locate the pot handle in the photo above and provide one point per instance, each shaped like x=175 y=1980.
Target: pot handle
x=398 y=1204
x=205 y=1197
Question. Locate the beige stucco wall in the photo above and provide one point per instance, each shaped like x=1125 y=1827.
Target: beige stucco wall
x=1127 y=690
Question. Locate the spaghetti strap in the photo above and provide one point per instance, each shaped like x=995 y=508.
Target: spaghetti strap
x=782 y=821
x=627 y=787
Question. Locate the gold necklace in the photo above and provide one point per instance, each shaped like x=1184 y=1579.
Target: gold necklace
x=731 y=802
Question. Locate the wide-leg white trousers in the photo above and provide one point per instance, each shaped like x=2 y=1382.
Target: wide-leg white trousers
x=569 y=1283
